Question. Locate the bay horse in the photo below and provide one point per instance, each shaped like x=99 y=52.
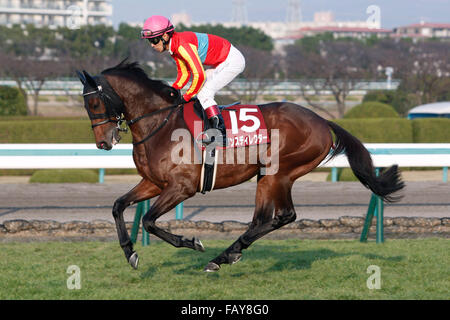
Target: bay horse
x=152 y=111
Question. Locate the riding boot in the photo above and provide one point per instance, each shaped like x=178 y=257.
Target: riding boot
x=216 y=122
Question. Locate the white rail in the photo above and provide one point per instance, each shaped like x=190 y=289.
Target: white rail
x=61 y=156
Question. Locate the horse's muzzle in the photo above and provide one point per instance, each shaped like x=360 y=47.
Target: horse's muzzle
x=104 y=146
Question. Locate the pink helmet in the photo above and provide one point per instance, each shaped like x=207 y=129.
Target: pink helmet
x=156 y=26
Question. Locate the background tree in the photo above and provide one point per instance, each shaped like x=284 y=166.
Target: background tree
x=423 y=69
x=259 y=73
x=335 y=66
x=243 y=36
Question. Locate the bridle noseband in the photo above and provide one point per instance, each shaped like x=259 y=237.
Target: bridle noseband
x=115 y=107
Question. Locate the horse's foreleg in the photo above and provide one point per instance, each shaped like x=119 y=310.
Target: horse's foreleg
x=270 y=195
x=143 y=191
x=170 y=197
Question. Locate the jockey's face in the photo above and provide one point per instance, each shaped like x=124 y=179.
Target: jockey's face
x=160 y=45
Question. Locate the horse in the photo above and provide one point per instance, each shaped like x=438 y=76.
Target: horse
x=152 y=111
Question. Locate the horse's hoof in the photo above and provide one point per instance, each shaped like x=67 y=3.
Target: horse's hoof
x=211 y=267
x=134 y=260
x=198 y=245
x=234 y=257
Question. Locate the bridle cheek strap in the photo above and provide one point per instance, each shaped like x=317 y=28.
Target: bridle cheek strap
x=111 y=112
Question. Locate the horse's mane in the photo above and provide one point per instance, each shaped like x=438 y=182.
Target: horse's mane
x=134 y=71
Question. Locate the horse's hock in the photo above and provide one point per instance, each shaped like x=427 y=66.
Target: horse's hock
x=343 y=228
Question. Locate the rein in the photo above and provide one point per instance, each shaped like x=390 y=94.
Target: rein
x=173 y=107
x=118 y=114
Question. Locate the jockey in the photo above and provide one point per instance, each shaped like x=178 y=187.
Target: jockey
x=191 y=51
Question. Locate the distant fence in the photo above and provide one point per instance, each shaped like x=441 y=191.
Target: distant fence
x=269 y=87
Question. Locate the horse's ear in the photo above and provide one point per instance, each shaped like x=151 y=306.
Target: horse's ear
x=81 y=77
x=90 y=80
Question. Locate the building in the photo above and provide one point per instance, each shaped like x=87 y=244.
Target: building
x=345 y=32
x=181 y=18
x=55 y=13
x=284 y=33
x=423 y=30
x=282 y=30
x=431 y=110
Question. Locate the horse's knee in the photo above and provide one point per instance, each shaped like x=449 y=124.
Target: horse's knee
x=285 y=217
x=148 y=224
x=118 y=208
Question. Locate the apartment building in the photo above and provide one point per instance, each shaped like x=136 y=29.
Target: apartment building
x=55 y=13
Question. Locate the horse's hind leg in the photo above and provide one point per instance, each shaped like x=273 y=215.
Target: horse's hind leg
x=273 y=194
x=169 y=198
x=143 y=191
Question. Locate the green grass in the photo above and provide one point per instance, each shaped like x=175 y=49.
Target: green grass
x=64 y=176
x=269 y=269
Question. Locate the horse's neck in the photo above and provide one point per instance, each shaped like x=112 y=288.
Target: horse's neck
x=141 y=128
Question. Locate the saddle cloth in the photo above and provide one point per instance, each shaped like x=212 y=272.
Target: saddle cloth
x=244 y=123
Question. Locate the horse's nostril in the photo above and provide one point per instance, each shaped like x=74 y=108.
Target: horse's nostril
x=101 y=145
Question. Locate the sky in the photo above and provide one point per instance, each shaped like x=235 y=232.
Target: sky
x=393 y=13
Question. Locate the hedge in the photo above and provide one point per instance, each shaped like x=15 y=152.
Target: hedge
x=379 y=130
x=431 y=130
x=12 y=102
x=383 y=96
x=371 y=109
x=50 y=131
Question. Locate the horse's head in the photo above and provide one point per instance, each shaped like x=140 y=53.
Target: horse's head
x=104 y=108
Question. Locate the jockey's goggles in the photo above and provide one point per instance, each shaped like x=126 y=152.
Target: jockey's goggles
x=155 y=40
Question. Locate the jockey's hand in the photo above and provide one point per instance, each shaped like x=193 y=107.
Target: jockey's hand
x=183 y=99
x=180 y=97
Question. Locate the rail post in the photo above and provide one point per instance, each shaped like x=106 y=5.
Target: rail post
x=101 y=175
x=141 y=209
x=376 y=207
x=179 y=211
x=334 y=174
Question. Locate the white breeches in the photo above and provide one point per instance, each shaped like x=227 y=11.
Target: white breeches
x=220 y=76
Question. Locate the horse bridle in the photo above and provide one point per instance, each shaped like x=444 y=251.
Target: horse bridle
x=113 y=103
x=118 y=108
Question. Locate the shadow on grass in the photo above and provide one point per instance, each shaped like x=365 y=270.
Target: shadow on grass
x=278 y=258
x=303 y=259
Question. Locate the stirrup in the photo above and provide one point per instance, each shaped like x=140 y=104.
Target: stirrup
x=207 y=140
x=217 y=123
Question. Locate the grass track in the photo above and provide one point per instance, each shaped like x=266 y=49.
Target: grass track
x=269 y=269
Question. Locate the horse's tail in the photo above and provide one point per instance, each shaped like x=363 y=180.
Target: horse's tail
x=388 y=181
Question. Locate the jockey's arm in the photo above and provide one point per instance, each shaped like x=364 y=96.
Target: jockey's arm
x=192 y=60
x=183 y=74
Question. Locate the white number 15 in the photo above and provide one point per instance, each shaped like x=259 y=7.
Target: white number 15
x=244 y=116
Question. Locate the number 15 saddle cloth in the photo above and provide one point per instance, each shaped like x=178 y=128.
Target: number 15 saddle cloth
x=245 y=126
x=244 y=123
